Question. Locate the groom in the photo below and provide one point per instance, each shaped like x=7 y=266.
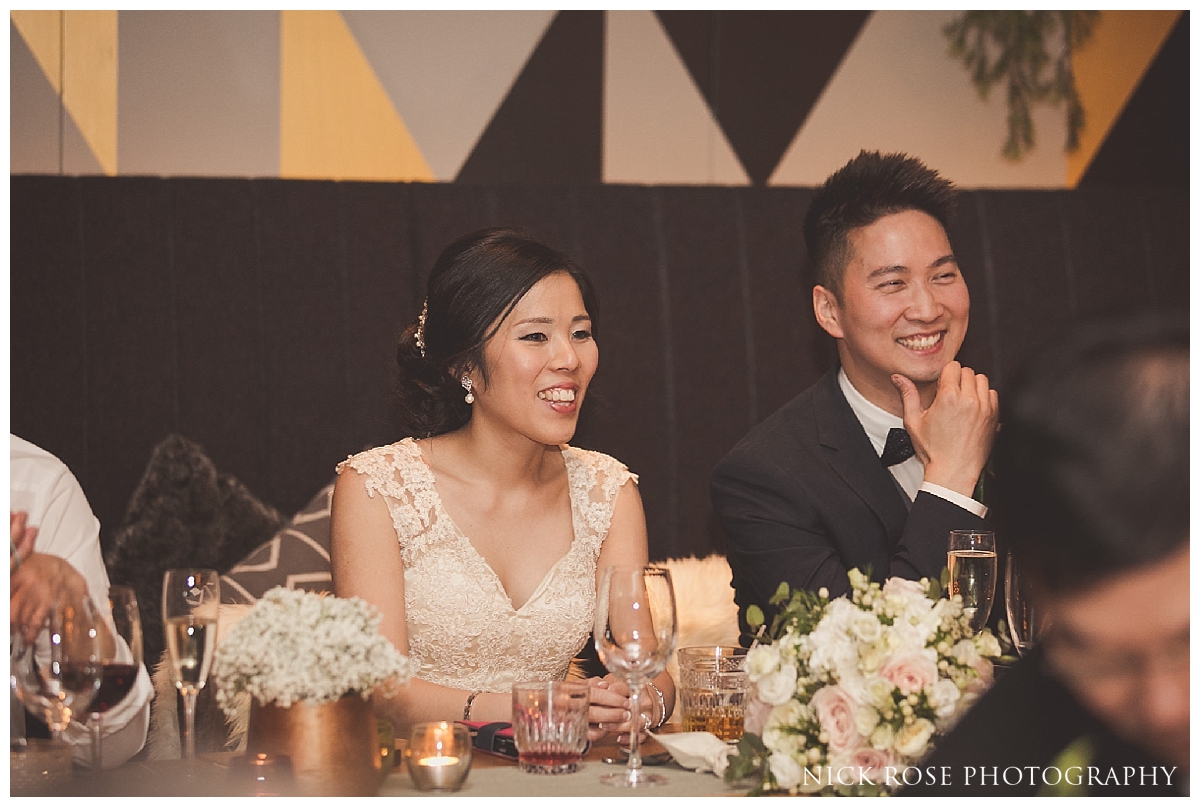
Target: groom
x=877 y=462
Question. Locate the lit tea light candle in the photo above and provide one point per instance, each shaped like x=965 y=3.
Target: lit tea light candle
x=439 y=755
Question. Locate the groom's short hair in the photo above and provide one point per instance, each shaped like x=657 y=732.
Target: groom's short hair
x=864 y=190
x=1091 y=461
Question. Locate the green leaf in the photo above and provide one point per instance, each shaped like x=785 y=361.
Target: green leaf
x=751 y=744
x=781 y=594
x=945 y=578
x=755 y=616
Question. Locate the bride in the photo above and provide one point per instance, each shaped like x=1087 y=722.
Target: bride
x=481 y=535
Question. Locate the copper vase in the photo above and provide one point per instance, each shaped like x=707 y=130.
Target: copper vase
x=334 y=747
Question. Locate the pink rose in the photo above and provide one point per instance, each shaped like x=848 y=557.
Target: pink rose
x=757 y=713
x=863 y=765
x=835 y=710
x=911 y=671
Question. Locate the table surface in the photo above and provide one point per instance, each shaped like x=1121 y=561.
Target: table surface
x=490 y=776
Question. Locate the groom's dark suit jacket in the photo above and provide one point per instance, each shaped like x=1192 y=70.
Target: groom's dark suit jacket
x=803 y=498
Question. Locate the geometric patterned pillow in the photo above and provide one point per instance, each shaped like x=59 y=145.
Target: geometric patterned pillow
x=296 y=557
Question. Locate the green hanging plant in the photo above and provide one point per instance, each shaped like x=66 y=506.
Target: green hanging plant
x=1012 y=46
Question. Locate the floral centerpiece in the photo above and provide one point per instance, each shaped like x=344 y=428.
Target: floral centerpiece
x=850 y=693
x=298 y=646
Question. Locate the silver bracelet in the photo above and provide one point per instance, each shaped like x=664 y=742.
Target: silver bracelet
x=470 y=700
x=662 y=708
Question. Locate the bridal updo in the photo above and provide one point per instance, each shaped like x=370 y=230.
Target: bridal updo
x=473 y=285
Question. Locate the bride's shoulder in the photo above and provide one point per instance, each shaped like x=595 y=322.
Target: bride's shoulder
x=398 y=455
x=605 y=469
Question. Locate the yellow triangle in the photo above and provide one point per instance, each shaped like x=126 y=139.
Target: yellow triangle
x=42 y=32
x=89 y=80
x=336 y=121
x=1108 y=70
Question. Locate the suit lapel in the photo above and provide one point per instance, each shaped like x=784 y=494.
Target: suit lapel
x=852 y=457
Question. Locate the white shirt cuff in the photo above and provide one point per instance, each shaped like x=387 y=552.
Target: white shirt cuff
x=965 y=502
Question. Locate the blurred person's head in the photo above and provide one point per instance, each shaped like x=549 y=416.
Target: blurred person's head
x=1091 y=492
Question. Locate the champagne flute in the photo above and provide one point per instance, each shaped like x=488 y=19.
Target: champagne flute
x=191 y=600
x=120 y=662
x=58 y=673
x=972 y=562
x=635 y=635
x=1024 y=618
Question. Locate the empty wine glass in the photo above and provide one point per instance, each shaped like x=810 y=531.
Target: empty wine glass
x=120 y=662
x=191 y=600
x=57 y=674
x=972 y=562
x=1025 y=621
x=635 y=635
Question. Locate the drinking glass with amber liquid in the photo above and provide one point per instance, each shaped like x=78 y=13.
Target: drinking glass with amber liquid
x=712 y=690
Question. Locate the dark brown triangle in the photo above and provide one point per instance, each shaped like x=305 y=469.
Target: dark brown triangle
x=761 y=71
x=1150 y=142
x=549 y=127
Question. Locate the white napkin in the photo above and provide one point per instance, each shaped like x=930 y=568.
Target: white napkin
x=698 y=750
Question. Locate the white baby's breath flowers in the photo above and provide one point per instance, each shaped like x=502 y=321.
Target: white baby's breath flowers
x=299 y=646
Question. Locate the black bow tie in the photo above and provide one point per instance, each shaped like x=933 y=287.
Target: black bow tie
x=897 y=449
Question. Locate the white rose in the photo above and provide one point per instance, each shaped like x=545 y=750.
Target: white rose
x=965 y=652
x=787 y=771
x=912 y=738
x=943 y=697
x=866 y=626
x=761 y=660
x=877 y=691
x=883 y=736
x=778 y=687
x=866 y=719
x=986 y=644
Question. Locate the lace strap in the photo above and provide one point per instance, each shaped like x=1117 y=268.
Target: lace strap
x=595 y=481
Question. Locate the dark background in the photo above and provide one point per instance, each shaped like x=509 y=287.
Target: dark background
x=259 y=317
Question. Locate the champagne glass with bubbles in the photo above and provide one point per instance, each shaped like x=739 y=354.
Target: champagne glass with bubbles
x=635 y=635
x=972 y=562
x=191 y=601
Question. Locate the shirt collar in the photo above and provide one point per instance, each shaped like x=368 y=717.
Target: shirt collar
x=876 y=422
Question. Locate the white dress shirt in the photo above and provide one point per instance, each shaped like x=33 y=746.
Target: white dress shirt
x=910 y=474
x=42 y=486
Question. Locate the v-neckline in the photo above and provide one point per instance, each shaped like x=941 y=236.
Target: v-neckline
x=442 y=513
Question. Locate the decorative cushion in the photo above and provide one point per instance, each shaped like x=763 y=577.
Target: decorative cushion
x=704 y=606
x=183 y=514
x=295 y=557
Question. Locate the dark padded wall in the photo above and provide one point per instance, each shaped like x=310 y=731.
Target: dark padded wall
x=258 y=317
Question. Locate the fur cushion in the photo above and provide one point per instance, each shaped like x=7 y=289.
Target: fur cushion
x=704 y=606
x=183 y=514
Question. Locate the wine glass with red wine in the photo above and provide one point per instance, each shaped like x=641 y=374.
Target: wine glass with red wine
x=120 y=661
x=57 y=674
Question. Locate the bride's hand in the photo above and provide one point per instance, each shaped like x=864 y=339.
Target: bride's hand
x=608 y=709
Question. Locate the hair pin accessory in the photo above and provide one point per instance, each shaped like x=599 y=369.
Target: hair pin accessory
x=421 y=327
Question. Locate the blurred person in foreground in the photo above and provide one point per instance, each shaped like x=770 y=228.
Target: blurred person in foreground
x=54 y=554
x=1092 y=491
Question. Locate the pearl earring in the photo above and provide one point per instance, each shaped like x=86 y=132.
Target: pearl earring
x=467 y=384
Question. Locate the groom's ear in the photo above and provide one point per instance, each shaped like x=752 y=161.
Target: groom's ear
x=827 y=311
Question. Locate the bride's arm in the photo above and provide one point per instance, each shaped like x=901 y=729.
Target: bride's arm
x=365 y=559
x=626 y=545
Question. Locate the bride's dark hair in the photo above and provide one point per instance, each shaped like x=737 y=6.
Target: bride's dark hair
x=473 y=285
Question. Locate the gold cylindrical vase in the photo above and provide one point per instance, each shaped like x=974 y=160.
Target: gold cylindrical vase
x=334 y=747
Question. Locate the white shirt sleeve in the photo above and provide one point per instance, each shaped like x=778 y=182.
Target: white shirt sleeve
x=965 y=502
x=57 y=506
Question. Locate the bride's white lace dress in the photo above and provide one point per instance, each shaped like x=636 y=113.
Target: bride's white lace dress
x=463 y=630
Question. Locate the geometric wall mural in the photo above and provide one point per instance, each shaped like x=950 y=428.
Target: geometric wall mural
x=541 y=96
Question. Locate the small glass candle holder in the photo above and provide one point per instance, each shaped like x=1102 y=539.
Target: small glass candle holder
x=438 y=755
x=262 y=774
